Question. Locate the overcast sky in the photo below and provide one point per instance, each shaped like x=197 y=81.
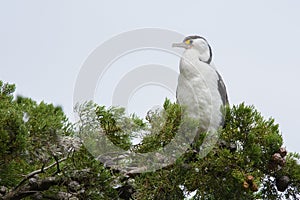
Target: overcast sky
x=43 y=45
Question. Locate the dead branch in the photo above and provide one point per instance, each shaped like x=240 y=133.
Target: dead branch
x=42 y=170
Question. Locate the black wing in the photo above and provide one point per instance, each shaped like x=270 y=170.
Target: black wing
x=222 y=90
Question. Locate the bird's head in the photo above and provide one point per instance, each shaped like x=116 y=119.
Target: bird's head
x=199 y=44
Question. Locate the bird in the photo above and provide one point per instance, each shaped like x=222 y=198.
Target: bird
x=200 y=89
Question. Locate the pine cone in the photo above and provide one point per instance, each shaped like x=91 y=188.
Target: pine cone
x=282 y=183
x=246 y=185
x=277 y=158
x=282 y=162
x=254 y=187
x=282 y=151
x=250 y=179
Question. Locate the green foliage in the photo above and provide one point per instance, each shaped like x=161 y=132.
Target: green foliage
x=28 y=131
x=246 y=162
x=245 y=149
x=13 y=135
x=35 y=135
x=158 y=185
x=163 y=125
x=93 y=177
x=116 y=125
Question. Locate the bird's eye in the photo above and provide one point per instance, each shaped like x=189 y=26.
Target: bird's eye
x=188 y=42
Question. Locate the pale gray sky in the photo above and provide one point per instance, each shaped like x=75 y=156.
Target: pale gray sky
x=43 y=45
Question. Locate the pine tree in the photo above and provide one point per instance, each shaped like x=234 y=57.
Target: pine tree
x=44 y=156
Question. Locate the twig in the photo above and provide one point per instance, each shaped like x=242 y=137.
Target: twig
x=31 y=174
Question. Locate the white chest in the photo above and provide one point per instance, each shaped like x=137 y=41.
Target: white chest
x=197 y=90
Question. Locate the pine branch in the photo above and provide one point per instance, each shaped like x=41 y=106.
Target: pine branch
x=42 y=170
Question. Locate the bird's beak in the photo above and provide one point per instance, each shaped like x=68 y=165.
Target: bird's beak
x=180 y=45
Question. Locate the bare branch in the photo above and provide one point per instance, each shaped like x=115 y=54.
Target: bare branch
x=42 y=170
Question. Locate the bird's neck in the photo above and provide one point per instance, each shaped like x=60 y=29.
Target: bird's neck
x=205 y=57
x=194 y=54
x=190 y=65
